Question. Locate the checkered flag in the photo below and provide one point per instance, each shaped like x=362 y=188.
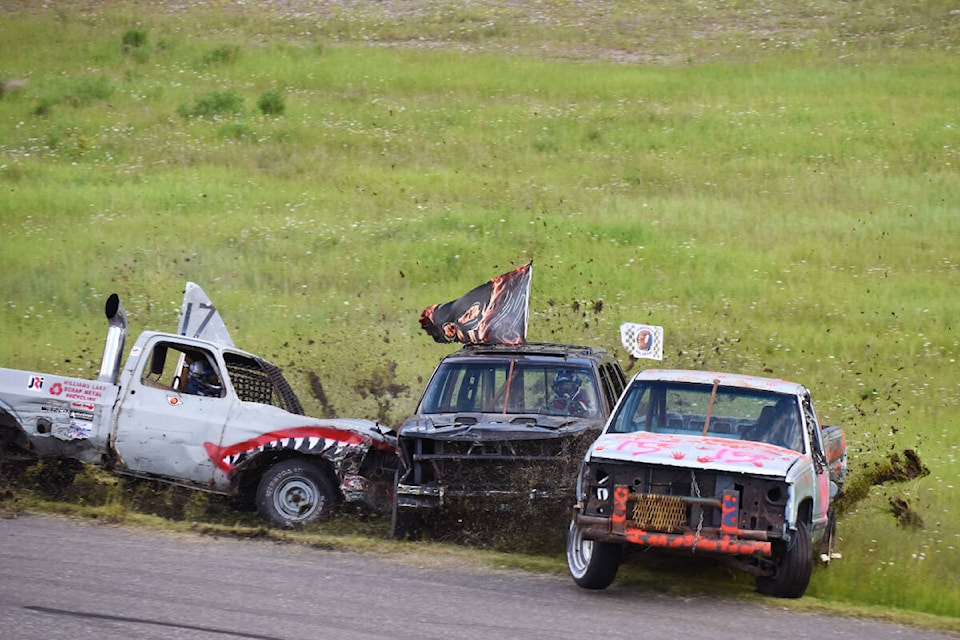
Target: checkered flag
x=642 y=340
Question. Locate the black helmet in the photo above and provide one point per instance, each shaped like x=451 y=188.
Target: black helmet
x=566 y=384
x=203 y=379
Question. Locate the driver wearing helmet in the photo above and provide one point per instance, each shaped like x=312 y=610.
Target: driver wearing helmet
x=568 y=396
x=202 y=380
x=785 y=429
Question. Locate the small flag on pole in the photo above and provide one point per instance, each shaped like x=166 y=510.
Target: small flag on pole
x=642 y=340
x=492 y=313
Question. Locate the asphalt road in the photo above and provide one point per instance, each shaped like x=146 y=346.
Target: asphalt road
x=61 y=578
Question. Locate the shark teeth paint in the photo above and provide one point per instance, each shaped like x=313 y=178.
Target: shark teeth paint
x=309 y=440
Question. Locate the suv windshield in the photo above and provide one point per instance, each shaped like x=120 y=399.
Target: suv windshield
x=681 y=408
x=511 y=387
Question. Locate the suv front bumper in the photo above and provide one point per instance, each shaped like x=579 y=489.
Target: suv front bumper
x=411 y=496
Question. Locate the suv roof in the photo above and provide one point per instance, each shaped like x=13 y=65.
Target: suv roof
x=555 y=349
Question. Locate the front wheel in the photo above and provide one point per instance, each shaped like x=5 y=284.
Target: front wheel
x=405 y=524
x=794 y=566
x=294 y=492
x=593 y=564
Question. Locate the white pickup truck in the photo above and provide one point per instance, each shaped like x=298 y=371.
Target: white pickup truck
x=733 y=466
x=192 y=410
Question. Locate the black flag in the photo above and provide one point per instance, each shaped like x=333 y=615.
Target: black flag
x=493 y=313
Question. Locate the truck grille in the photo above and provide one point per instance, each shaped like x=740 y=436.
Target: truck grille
x=467 y=467
x=540 y=449
x=659 y=513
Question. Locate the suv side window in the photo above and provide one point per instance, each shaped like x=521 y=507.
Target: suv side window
x=613 y=383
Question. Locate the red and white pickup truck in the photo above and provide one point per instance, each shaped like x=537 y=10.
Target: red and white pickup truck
x=733 y=466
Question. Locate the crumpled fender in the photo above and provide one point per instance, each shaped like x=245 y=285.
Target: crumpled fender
x=330 y=443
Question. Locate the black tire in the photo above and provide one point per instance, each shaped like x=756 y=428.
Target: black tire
x=405 y=524
x=794 y=566
x=295 y=492
x=592 y=564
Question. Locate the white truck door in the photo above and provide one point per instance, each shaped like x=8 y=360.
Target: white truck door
x=165 y=419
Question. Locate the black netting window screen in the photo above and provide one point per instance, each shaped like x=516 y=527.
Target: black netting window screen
x=256 y=380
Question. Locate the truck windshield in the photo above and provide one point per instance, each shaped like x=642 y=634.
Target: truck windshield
x=511 y=387
x=697 y=409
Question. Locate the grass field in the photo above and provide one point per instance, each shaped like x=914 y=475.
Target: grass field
x=774 y=183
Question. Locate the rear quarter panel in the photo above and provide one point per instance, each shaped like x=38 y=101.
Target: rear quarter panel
x=59 y=415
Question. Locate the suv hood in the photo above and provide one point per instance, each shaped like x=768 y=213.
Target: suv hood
x=695 y=452
x=473 y=426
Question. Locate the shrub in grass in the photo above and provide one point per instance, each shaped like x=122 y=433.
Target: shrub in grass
x=227 y=102
x=271 y=103
x=224 y=54
x=43 y=107
x=134 y=39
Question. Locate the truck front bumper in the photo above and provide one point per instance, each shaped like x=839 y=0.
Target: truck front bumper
x=648 y=528
x=413 y=496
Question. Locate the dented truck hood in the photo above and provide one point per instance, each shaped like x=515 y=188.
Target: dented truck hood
x=477 y=427
x=696 y=452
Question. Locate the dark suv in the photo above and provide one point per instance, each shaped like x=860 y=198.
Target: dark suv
x=497 y=424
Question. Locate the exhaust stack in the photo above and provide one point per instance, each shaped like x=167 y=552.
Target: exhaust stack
x=116 y=337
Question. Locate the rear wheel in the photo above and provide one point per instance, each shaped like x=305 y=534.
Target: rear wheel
x=593 y=565
x=295 y=492
x=794 y=566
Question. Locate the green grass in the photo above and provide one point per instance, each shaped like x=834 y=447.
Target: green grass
x=774 y=183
